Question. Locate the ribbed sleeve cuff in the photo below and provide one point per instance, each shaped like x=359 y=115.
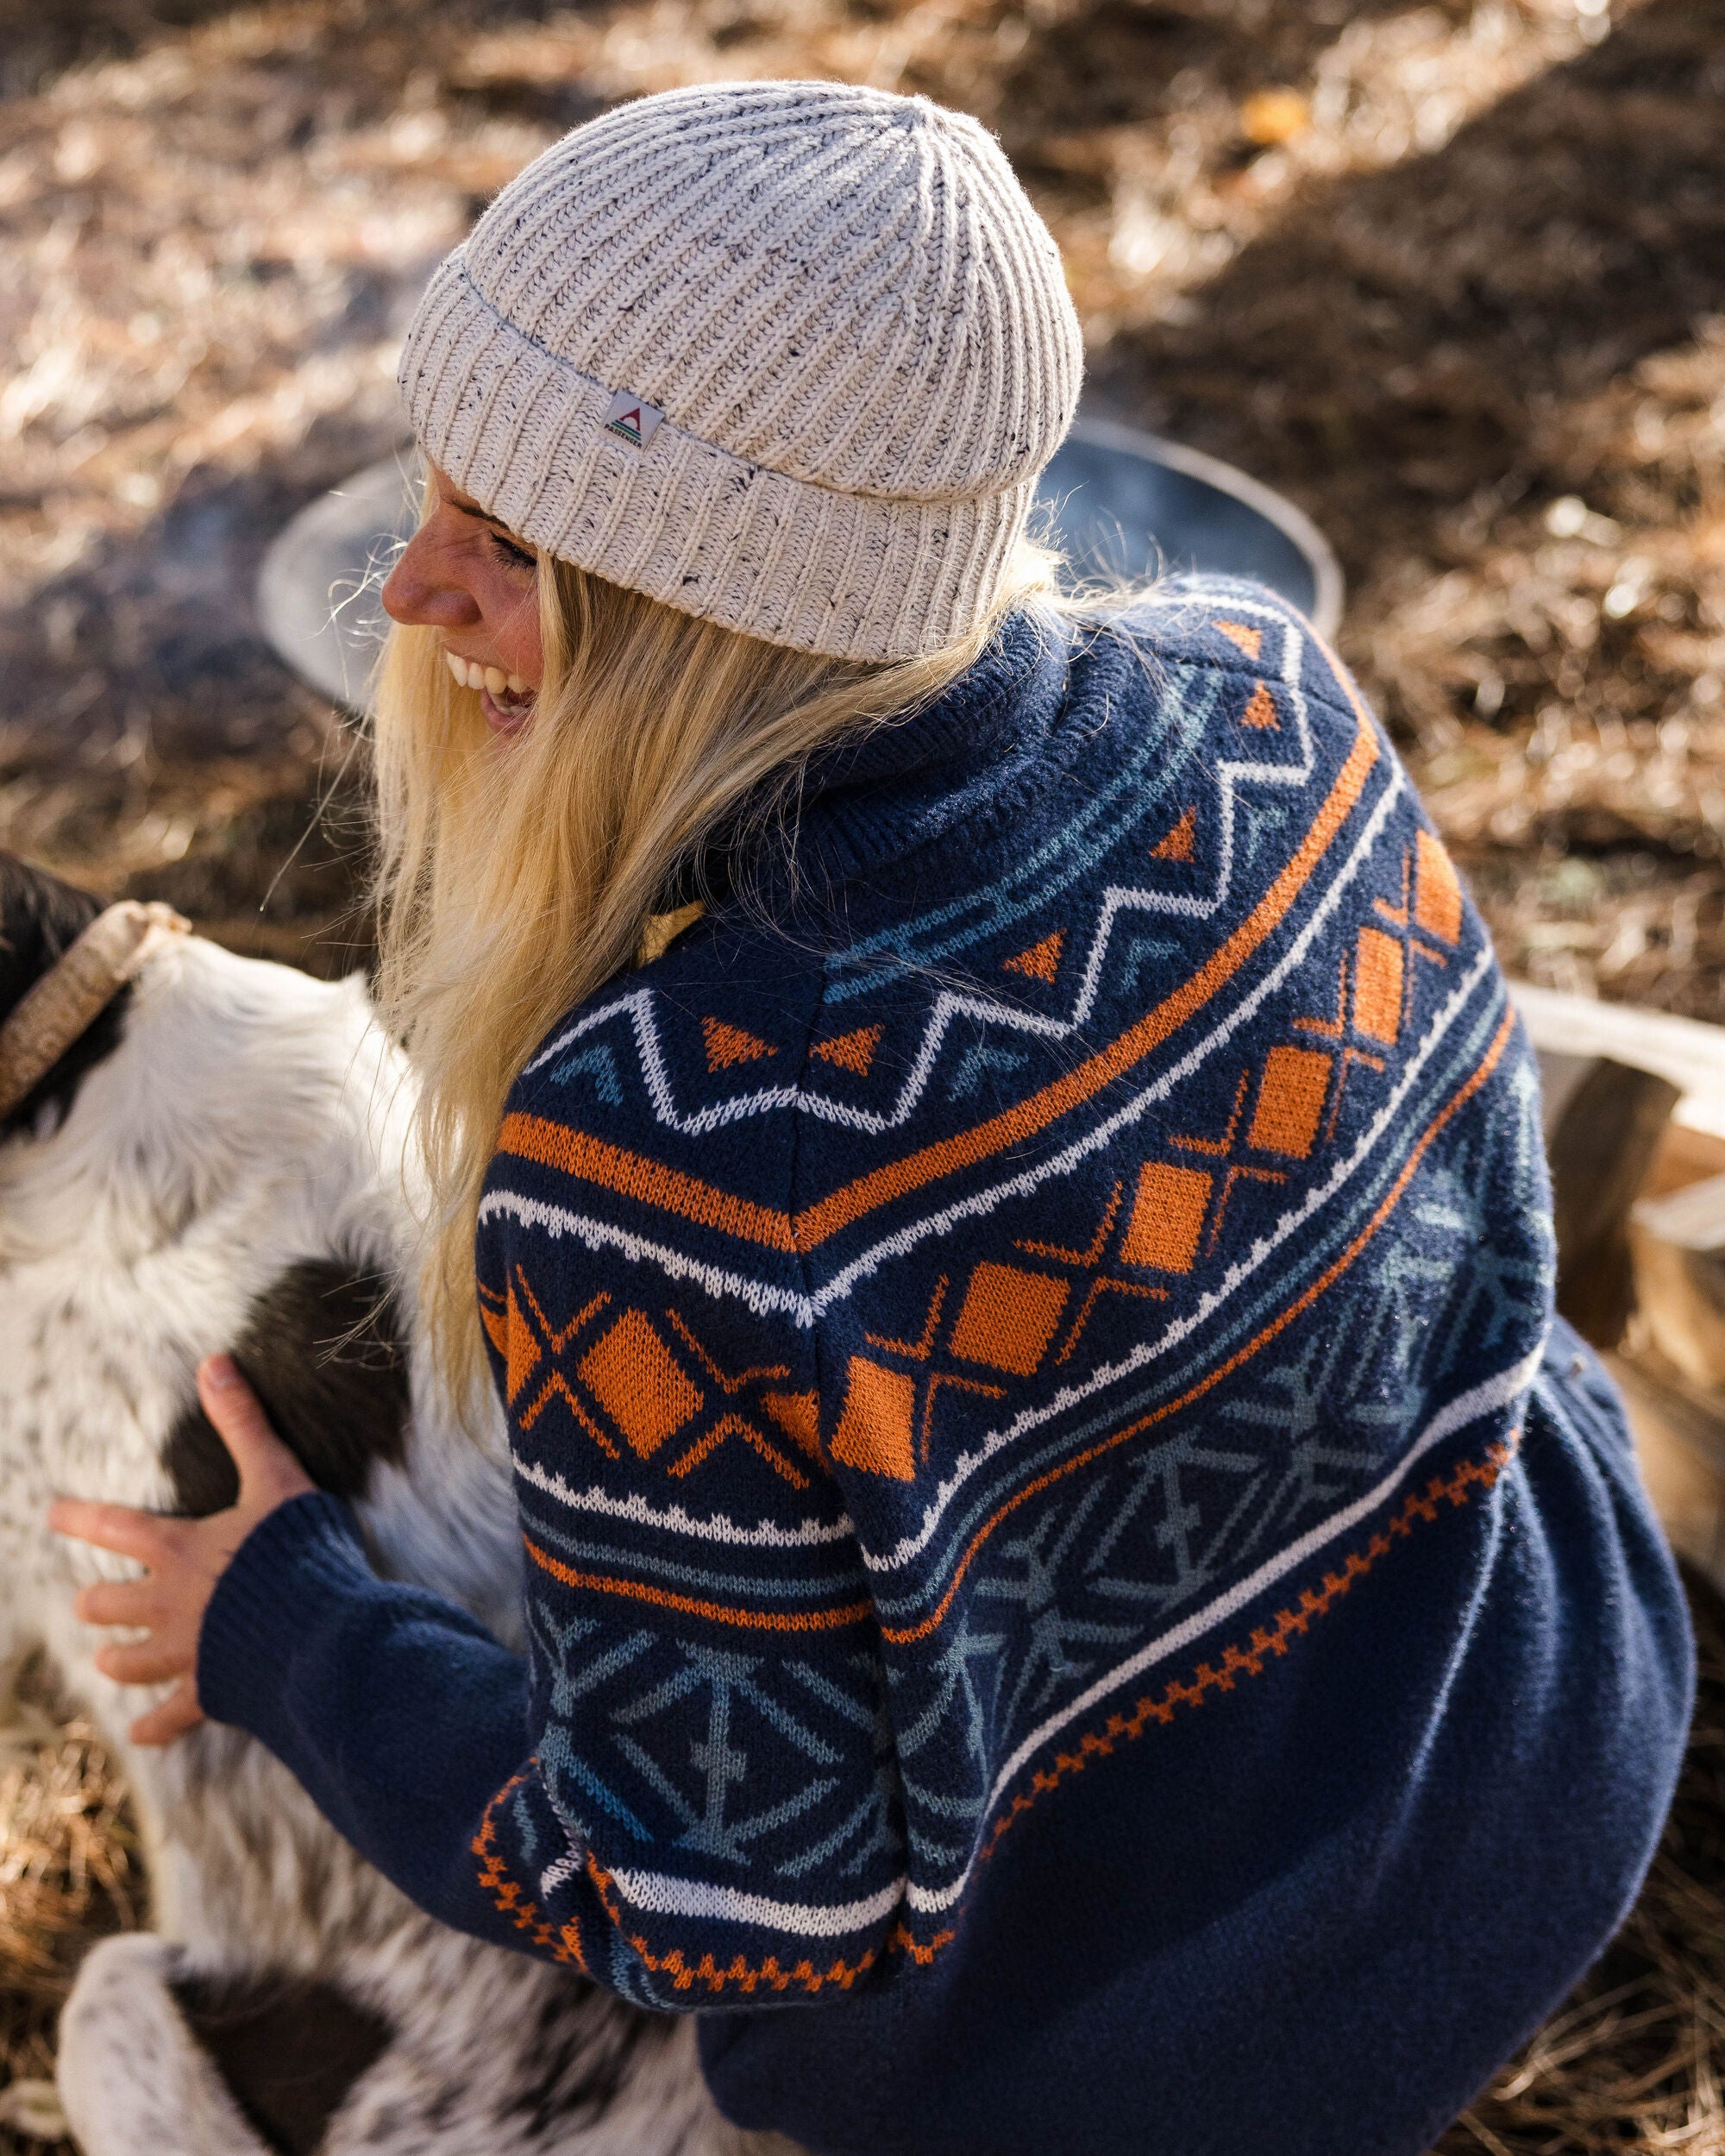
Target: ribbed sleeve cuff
x=296 y=1563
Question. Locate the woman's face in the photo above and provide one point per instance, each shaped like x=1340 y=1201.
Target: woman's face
x=464 y=574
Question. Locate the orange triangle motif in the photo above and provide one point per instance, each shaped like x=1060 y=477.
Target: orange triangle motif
x=850 y=1051
x=1250 y=641
x=1261 y=711
x=523 y=1353
x=726 y=1045
x=798 y=1414
x=1042 y=961
x=1179 y=844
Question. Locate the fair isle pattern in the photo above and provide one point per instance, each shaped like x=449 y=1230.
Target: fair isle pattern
x=1117 y=903
x=1093 y=1264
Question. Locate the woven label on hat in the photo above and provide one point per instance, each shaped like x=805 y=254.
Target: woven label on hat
x=633 y=418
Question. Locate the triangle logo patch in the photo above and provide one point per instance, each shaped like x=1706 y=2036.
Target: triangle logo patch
x=633 y=419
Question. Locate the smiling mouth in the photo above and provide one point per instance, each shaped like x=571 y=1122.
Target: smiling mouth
x=506 y=698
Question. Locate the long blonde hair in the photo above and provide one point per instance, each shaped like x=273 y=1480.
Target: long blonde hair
x=516 y=877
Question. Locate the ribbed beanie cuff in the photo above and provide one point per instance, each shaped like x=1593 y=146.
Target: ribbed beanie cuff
x=787 y=356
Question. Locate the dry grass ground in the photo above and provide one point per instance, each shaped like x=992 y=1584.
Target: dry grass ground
x=1452 y=275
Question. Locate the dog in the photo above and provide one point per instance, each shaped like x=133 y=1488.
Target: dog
x=223 y=1160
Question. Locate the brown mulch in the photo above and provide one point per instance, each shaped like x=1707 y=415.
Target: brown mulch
x=1452 y=275
x=69 y=1873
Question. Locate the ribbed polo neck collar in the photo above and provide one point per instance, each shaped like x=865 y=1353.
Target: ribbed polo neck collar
x=869 y=801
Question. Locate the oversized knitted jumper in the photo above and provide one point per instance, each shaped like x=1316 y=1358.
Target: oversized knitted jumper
x=1050 y=1545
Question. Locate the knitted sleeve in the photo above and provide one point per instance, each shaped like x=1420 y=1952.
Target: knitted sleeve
x=713 y=1759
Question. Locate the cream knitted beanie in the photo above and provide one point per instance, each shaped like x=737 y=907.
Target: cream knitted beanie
x=788 y=355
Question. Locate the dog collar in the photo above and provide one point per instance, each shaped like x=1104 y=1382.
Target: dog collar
x=60 y=1007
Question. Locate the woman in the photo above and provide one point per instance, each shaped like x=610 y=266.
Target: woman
x=1002 y=1192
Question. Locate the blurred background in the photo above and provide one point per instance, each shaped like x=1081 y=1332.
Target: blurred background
x=1452 y=276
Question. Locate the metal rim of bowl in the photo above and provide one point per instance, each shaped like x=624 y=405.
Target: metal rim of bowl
x=1328 y=585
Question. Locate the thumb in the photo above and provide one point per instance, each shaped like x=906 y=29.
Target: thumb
x=267 y=1469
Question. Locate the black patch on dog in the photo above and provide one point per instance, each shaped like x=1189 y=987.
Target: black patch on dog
x=323 y=1351
x=575 y=2059
x=41 y=918
x=289 y=2049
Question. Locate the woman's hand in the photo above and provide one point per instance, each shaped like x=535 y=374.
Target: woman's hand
x=184 y=1558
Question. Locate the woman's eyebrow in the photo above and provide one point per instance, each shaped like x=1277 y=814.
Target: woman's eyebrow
x=472 y=509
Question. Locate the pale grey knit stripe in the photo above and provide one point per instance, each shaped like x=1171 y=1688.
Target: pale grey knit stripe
x=855 y=322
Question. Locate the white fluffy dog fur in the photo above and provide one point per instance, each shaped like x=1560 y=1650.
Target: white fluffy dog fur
x=245 y=1119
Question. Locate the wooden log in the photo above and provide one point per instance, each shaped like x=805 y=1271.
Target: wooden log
x=1665 y=1262
x=1685 y=1156
x=1603 y=1123
x=1687 y=1052
x=1678 y=1251
x=1680 y=1444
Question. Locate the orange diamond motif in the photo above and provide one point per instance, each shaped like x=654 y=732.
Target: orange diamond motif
x=874 y=1430
x=1167 y=1216
x=1377 y=986
x=1008 y=1318
x=640 y=1385
x=1290 y=1101
x=1437 y=894
x=521 y=1352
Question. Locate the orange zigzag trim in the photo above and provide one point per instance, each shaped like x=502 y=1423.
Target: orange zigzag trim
x=766 y=1976
x=1097 y=1743
x=564 y=1946
x=1455 y=1489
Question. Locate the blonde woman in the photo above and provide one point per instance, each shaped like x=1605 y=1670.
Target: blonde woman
x=1077 y=1597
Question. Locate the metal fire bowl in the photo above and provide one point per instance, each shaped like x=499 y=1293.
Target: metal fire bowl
x=1118 y=504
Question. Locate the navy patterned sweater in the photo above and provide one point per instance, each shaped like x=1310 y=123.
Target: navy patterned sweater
x=1059 y=1536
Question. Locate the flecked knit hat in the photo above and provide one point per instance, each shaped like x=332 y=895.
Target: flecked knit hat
x=788 y=355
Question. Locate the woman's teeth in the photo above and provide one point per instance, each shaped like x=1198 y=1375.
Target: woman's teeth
x=469 y=673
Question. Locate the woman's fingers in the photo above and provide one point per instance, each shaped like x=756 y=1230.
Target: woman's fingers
x=145 y=1535
x=176 y=1713
x=142 y=1662
x=267 y=1469
x=118 y=1602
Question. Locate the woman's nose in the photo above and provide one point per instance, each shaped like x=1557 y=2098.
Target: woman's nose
x=417 y=593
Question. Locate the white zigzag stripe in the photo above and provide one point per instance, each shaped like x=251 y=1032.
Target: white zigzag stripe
x=637 y=1006
x=677 y=1265
x=761 y=1296
x=692 y=1897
